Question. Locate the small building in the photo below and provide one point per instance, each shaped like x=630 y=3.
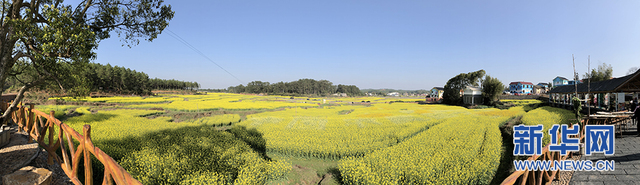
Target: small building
x=472 y=95
x=437 y=92
x=340 y=94
x=545 y=87
x=538 y=90
x=520 y=87
x=560 y=81
x=393 y=94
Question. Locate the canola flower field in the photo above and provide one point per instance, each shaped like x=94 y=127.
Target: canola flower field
x=521 y=102
x=465 y=149
x=448 y=153
x=158 y=151
x=336 y=132
x=373 y=141
x=547 y=117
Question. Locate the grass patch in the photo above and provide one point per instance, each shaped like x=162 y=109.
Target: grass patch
x=308 y=170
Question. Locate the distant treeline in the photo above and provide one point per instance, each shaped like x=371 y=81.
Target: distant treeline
x=96 y=77
x=299 y=87
x=382 y=92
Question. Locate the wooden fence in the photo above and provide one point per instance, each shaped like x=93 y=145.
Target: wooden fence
x=542 y=177
x=40 y=125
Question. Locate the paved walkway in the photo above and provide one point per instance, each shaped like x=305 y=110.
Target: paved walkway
x=627 y=163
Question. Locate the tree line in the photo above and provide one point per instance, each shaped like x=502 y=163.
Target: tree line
x=94 y=77
x=299 y=87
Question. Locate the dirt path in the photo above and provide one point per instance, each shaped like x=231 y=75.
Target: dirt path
x=18 y=153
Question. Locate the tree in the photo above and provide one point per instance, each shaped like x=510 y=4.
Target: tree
x=48 y=34
x=491 y=89
x=577 y=107
x=604 y=72
x=452 y=89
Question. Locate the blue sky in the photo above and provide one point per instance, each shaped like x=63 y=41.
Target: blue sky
x=385 y=44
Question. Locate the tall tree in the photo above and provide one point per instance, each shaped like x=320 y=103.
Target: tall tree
x=491 y=89
x=603 y=72
x=452 y=89
x=47 y=33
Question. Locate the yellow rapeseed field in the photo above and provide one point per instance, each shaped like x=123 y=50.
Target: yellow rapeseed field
x=548 y=116
x=158 y=151
x=375 y=142
x=462 y=150
x=344 y=131
x=521 y=102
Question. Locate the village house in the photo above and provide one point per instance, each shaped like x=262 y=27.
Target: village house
x=560 y=81
x=520 y=87
x=437 y=92
x=538 y=90
x=472 y=95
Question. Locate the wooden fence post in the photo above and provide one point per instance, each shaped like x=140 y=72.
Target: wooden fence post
x=88 y=176
x=28 y=124
x=51 y=133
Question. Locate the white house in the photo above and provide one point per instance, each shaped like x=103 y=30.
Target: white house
x=472 y=95
x=393 y=94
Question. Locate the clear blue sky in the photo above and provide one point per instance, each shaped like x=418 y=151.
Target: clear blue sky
x=385 y=44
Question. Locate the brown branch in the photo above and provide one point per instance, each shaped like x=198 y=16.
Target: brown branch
x=22 y=5
x=51 y=54
x=86 y=7
x=19 y=55
x=4 y=11
x=116 y=25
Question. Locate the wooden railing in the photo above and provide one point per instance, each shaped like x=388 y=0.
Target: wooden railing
x=33 y=123
x=542 y=177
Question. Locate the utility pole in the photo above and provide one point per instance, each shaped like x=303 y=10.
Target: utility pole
x=575 y=78
x=575 y=75
x=589 y=86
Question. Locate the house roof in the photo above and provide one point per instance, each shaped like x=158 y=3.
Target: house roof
x=561 y=78
x=629 y=83
x=474 y=88
x=526 y=83
x=438 y=88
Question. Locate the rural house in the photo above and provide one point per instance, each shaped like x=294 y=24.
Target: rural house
x=437 y=92
x=560 y=81
x=538 y=90
x=472 y=95
x=520 y=87
x=544 y=85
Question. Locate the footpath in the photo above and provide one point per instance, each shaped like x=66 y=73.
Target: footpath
x=22 y=162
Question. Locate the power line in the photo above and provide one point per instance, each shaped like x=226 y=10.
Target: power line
x=177 y=37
